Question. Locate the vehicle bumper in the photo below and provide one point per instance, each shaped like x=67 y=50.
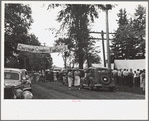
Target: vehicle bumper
x=101 y=85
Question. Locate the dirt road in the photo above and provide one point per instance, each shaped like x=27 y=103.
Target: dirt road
x=54 y=90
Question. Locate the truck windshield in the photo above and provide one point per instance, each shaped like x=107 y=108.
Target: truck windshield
x=11 y=76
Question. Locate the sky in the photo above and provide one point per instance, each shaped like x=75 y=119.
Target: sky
x=44 y=19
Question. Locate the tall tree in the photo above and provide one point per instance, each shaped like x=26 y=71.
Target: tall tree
x=123 y=42
x=129 y=40
x=17 y=21
x=76 y=18
x=139 y=29
x=17 y=15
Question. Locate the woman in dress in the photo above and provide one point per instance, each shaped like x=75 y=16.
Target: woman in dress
x=70 y=79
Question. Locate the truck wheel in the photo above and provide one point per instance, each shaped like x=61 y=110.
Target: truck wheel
x=111 y=89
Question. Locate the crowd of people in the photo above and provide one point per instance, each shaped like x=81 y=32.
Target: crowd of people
x=125 y=77
x=75 y=78
x=122 y=77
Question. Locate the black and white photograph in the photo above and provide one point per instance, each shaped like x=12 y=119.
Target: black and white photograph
x=74 y=55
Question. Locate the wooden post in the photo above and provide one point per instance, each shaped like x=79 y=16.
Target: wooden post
x=107 y=34
x=103 y=48
x=65 y=59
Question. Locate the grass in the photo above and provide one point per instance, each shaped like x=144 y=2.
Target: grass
x=136 y=90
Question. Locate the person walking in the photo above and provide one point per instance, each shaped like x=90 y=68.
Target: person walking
x=130 y=78
x=61 y=77
x=70 y=79
x=77 y=79
x=143 y=80
x=52 y=76
x=57 y=76
x=138 y=77
x=90 y=78
x=120 y=77
x=125 y=77
x=115 y=76
x=135 y=79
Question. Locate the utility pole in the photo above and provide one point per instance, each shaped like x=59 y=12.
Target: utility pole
x=102 y=38
x=65 y=59
x=102 y=35
x=25 y=62
x=107 y=34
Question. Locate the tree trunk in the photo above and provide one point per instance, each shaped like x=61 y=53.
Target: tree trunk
x=81 y=56
x=88 y=63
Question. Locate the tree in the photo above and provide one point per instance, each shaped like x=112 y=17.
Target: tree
x=40 y=61
x=123 y=44
x=76 y=19
x=129 y=42
x=17 y=15
x=120 y=42
x=67 y=56
x=17 y=21
x=139 y=28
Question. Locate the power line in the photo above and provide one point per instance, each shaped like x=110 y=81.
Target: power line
x=100 y=32
x=100 y=38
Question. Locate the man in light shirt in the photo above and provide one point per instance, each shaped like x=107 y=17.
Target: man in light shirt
x=120 y=74
x=125 y=74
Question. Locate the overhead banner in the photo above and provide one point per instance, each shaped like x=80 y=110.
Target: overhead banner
x=42 y=49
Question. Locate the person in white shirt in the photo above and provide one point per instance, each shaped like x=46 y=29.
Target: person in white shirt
x=135 y=79
x=125 y=77
x=120 y=77
x=70 y=79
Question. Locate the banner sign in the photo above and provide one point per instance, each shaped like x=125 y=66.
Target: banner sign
x=42 y=49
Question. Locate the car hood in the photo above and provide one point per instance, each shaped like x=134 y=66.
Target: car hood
x=12 y=82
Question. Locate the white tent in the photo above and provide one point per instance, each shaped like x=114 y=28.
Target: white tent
x=130 y=64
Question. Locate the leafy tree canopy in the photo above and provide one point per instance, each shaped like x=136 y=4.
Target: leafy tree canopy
x=76 y=19
x=129 y=40
x=17 y=23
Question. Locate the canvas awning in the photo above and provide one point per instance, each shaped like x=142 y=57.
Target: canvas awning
x=130 y=64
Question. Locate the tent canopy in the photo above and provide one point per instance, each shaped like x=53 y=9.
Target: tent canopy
x=55 y=68
x=130 y=64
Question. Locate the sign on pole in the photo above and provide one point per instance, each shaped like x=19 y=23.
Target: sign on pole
x=42 y=49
